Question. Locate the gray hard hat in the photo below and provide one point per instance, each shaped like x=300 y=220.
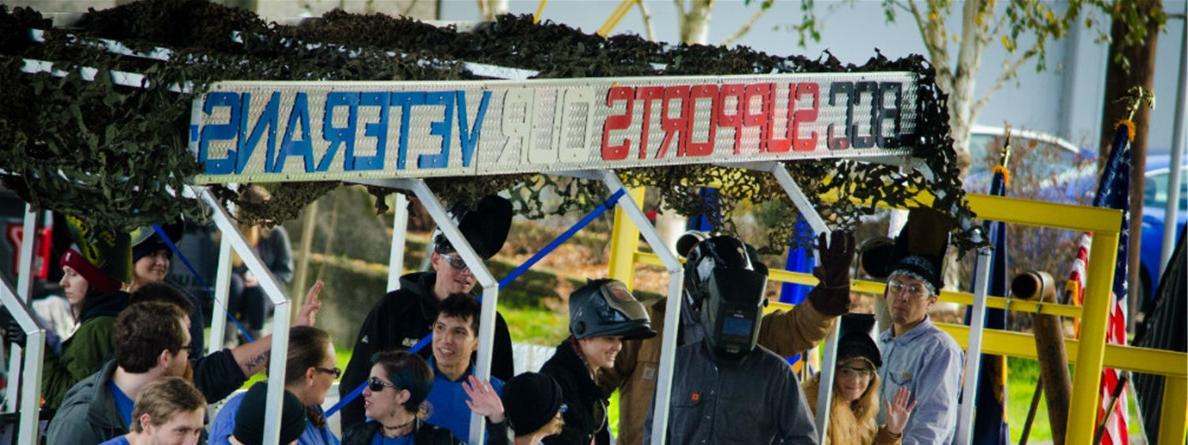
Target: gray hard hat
x=606 y=308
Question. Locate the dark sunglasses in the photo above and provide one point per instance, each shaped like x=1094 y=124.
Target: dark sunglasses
x=377 y=385
x=334 y=371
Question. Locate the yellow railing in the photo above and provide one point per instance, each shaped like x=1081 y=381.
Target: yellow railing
x=1090 y=353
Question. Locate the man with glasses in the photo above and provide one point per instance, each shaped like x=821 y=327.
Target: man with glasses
x=152 y=341
x=916 y=354
x=404 y=317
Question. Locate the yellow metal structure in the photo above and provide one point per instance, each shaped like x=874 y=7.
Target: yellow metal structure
x=625 y=238
x=1089 y=353
x=539 y=11
x=616 y=17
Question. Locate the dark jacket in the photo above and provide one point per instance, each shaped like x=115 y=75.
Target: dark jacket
x=396 y=323
x=425 y=434
x=586 y=417
x=88 y=414
x=86 y=350
x=217 y=375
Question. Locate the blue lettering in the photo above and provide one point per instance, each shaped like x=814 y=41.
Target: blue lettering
x=377 y=130
x=339 y=135
x=405 y=101
x=299 y=114
x=469 y=137
x=441 y=128
x=247 y=142
x=219 y=132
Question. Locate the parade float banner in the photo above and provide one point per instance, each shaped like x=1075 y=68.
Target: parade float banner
x=315 y=131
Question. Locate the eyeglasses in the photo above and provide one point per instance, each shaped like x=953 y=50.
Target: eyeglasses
x=455 y=262
x=377 y=385
x=912 y=290
x=333 y=371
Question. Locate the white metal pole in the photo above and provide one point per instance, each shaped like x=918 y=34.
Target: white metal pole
x=672 y=316
x=1179 y=140
x=30 y=387
x=973 y=354
x=484 y=278
x=28 y=239
x=280 y=321
x=829 y=361
x=399 y=238
x=218 y=322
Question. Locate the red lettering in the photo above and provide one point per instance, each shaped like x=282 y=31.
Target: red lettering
x=673 y=126
x=700 y=148
x=647 y=95
x=797 y=117
x=759 y=119
x=617 y=122
x=727 y=120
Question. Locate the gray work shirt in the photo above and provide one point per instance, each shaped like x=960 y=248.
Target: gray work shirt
x=928 y=362
x=755 y=401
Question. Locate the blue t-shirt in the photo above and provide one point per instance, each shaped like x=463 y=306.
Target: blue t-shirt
x=120 y=440
x=123 y=404
x=379 y=439
x=447 y=402
x=224 y=426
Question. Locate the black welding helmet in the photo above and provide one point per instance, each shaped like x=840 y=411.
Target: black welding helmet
x=725 y=284
x=605 y=308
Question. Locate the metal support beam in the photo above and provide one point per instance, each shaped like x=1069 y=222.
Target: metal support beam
x=25 y=261
x=1087 y=378
x=1179 y=141
x=34 y=353
x=399 y=238
x=973 y=354
x=222 y=289
x=672 y=315
x=280 y=321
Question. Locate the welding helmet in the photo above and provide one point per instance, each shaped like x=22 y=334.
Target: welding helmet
x=725 y=285
x=605 y=308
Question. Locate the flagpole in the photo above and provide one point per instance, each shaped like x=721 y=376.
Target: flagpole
x=1179 y=140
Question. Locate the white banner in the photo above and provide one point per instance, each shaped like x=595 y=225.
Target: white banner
x=312 y=131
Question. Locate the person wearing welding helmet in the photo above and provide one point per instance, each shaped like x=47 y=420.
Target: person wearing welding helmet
x=726 y=389
x=785 y=332
x=602 y=314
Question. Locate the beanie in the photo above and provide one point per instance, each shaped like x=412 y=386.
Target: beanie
x=249 y=420
x=531 y=400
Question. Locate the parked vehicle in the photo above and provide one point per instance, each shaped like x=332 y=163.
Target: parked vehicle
x=1155 y=207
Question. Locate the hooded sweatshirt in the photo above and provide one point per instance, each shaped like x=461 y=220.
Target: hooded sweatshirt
x=86 y=351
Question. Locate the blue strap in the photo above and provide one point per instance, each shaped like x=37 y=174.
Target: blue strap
x=198 y=277
x=507 y=280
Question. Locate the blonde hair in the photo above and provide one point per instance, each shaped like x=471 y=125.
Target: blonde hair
x=849 y=422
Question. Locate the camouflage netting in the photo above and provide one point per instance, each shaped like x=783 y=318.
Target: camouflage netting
x=115 y=155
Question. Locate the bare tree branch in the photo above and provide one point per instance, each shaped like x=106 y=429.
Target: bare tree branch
x=482 y=7
x=1008 y=72
x=409 y=8
x=647 y=20
x=937 y=47
x=746 y=27
x=680 y=5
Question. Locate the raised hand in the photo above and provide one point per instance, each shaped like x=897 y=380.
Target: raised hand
x=309 y=310
x=899 y=411
x=483 y=399
x=831 y=296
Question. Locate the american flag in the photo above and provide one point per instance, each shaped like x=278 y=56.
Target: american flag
x=1112 y=192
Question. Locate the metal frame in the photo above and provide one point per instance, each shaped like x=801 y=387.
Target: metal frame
x=34 y=353
x=399 y=236
x=24 y=290
x=280 y=322
x=973 y=354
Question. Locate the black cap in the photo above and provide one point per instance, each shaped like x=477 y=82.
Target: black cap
x=855 y=340
x=249 y=420
x=145 y=240
x=919 y=249
x=531 y=400
x=485 y=226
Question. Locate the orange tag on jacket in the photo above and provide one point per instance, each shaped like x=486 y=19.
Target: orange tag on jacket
x=696 y=396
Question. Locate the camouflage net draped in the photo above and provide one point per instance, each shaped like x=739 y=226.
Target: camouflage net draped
x=115 y=155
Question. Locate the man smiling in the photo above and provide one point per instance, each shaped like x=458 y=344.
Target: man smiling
x=455 y=340
x=403 y=317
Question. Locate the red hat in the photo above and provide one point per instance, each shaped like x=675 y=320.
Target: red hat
x=96 y=279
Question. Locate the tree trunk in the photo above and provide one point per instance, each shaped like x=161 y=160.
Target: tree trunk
x=695 y=24
x=1118 y=80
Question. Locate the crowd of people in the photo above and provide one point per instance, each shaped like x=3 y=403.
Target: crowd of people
x=132 y=372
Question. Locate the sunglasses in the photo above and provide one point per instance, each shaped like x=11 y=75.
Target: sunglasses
x=333 y=371
x=455 y=262
x=377 y=385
